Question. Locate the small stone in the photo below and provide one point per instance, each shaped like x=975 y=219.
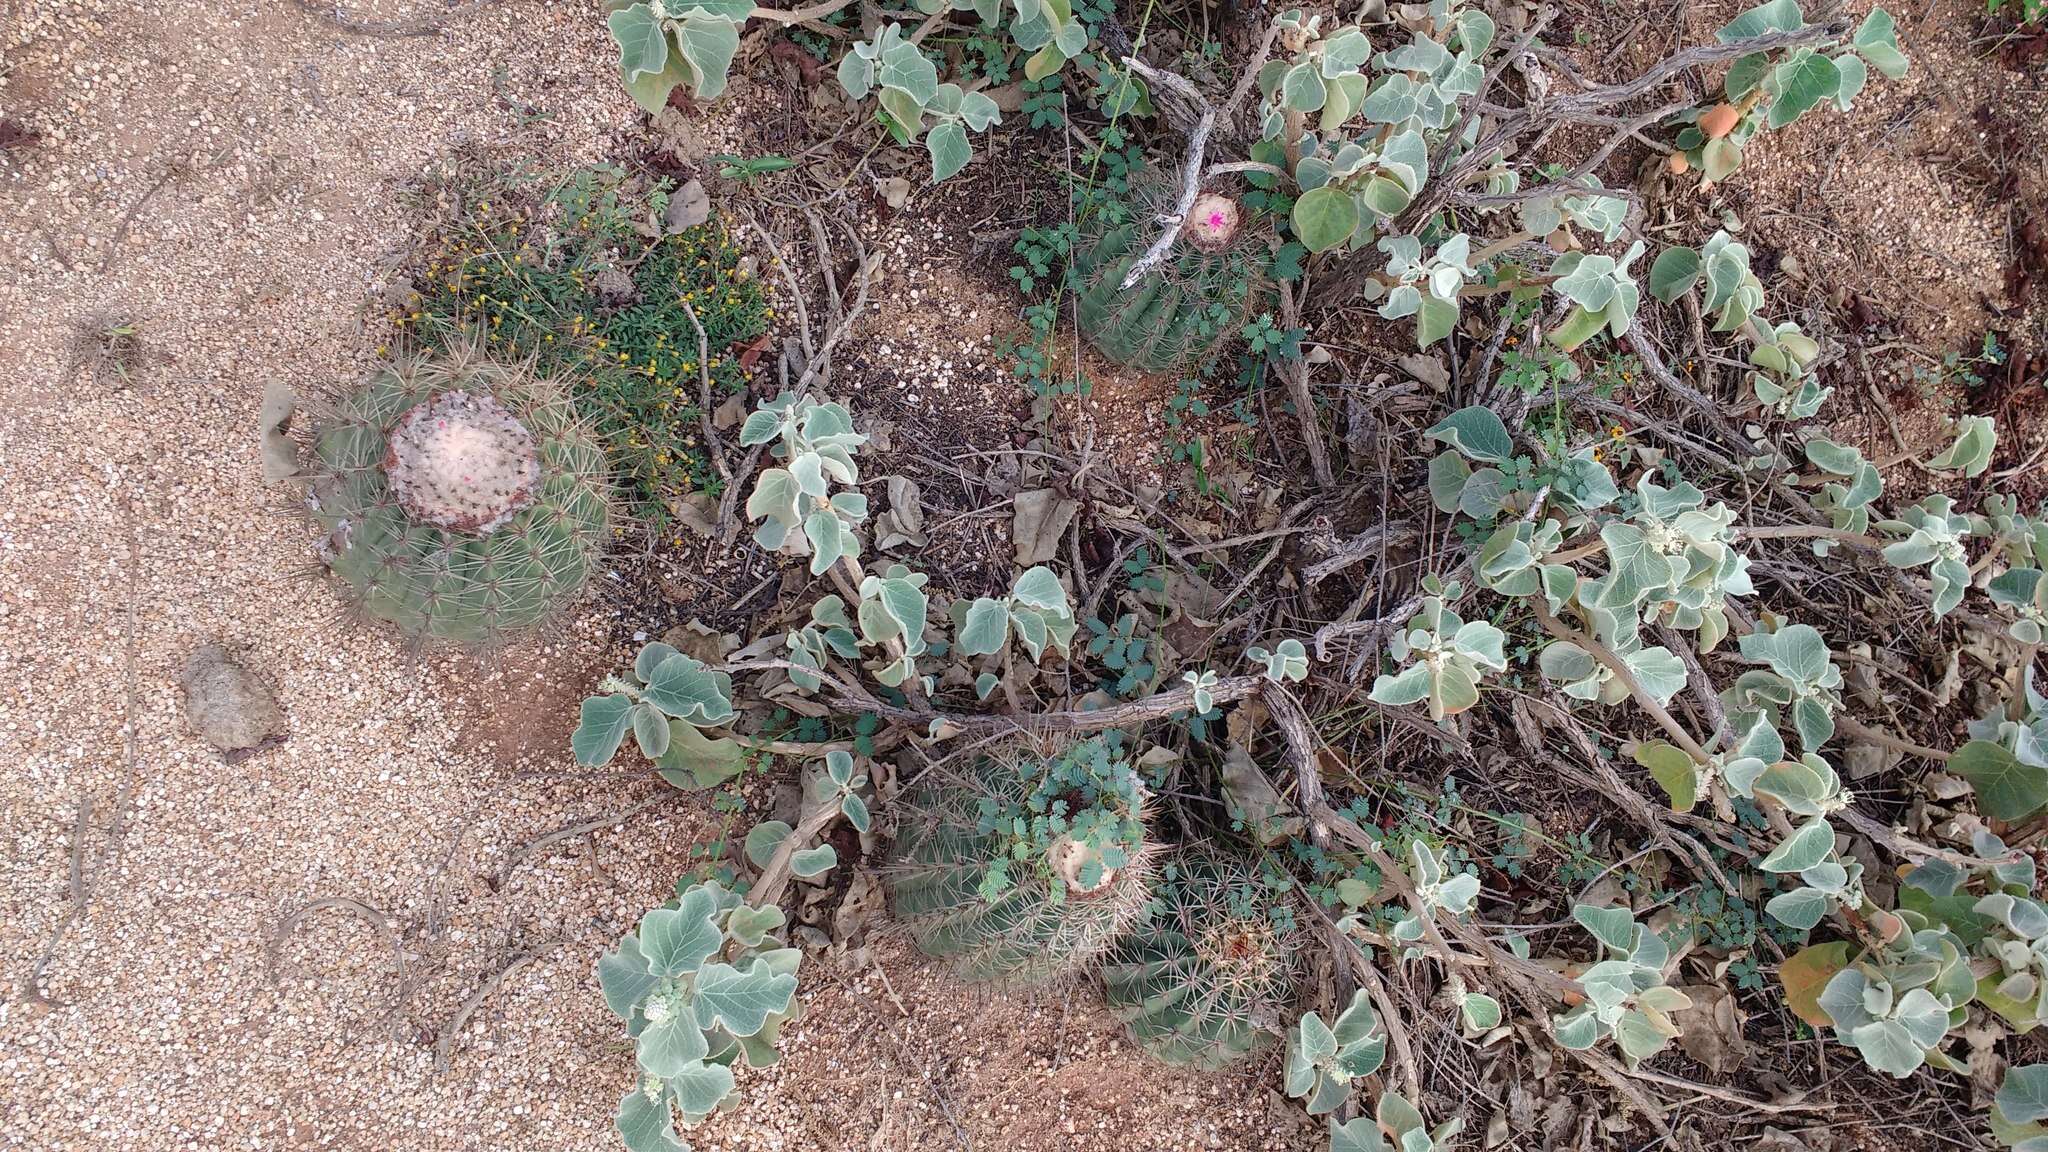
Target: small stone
x=229 y=706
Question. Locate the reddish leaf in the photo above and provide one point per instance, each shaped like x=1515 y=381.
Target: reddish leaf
x=1806 y=973
x=752 y=352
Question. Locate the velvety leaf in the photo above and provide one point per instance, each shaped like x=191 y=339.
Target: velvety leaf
x=813 y=861
x=986 y=628
x=1577 y=1030
x=685 y=688
x=2007 y=789
x=1635 y=565
x=1877 y=41
x=1887 y=1047
x=646 y=1124
x=699 y=1088
x=1358 y=1135
x=2023 y=1096
x=1800 y=908
x=623 y=977
x=694 y=760
x=1674 y=771
x=950 y=151
x=741 y=1001
x=1408 y=686
x=1658 y=670
x=750 y=925
x=1477 y=432
x=1802 y=83
x=1325 y=218
x=650 y=730
x=1480 y=1012
x=677 y=940
x=1674 y=272
x=671 y=1044
x=643 y=43
x=1448 y=473
x=1040 y=588
x=602 y=726
x=763 y=839
x=1803 y=849
x=1613 y=927
x=1970 y=454
x=1435 y=319
x=709 y=43
x=855 y=810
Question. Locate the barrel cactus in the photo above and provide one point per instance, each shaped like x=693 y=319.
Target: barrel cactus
x=1212 y=975
x=462 y=499
x=1185 y=308
x=1030 y=868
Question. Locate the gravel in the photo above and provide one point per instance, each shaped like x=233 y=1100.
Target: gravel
x=228 y=178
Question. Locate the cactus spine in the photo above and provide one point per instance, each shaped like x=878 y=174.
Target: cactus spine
x=462 y=499
x=1210 y=978
x=1179 y=313
x=1030 y=869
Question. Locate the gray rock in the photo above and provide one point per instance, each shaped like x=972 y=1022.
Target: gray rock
x=229 y=706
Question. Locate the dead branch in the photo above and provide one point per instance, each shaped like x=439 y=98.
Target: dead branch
x=767 y=888
x=1367 y=545
x=1535 y=986
x=527 y=852
x=446 y=1041
x=704 y=395
x=80 y=880
x=1295 y=372
x=1205 y=119
x=290 y=924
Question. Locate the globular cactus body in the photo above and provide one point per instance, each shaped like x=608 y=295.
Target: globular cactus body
x=1031 y=907
x=1181 y=311
x=1211 y=976
x=463 y=501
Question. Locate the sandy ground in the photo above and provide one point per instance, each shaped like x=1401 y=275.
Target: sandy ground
x=228 y=177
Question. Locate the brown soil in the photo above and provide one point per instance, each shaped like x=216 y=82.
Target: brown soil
x=231 y=175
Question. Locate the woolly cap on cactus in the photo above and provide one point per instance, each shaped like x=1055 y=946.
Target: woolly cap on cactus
x=461 y=462
x=1212 y=222
x=1034 y=905
x=1071 y=861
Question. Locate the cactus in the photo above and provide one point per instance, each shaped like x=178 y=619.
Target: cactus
x=1179 y=313
x=461 y=498
x=1030 y=869
x=1211 y=977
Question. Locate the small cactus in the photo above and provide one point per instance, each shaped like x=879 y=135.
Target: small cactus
x=462 y=499
x=1179 y=313
x=1028 y=871
x=1212 y=976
